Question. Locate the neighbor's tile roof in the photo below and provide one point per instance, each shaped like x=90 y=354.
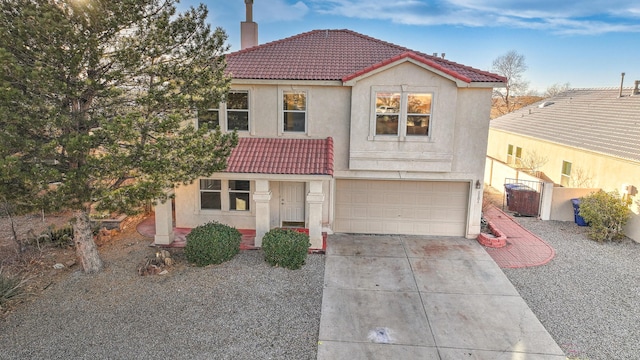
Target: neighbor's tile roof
x=592 y=119
x=282 y=156
x=334 y=55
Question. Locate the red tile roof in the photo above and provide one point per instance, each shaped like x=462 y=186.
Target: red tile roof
x=282 y=156
x=334 y=55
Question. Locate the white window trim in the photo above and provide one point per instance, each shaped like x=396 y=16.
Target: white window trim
x=224 y=117
x=197 y=119
x=563 y=176
x=224 y=198
x=404 y=91
x=200 y=191
x=281 y=92
x=518 y=159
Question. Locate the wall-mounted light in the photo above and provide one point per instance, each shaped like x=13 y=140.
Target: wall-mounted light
x=478 y=184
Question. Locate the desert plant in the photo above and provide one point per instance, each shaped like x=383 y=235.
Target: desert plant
x=606 y=213
x=212 y=243
x=61 y=237
x=286 y=248
x=10 y=287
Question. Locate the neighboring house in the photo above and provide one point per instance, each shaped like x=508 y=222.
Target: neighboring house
x=341 y=132
x=582 y=138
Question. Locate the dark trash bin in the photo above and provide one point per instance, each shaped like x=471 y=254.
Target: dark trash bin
x=522 y=199
x=576 y=213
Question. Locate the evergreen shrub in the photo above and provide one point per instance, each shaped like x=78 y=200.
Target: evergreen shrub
x=212 y=243
x=286 y=248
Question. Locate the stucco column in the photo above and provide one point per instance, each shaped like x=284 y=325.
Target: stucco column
x=475 y=209
x=315 y=198
x=164 y=222
x=261 y=197
x=547 y=201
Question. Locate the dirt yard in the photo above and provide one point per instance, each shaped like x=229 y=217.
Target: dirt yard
x=45 y=263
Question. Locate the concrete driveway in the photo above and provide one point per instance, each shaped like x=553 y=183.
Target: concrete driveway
x=413 y=297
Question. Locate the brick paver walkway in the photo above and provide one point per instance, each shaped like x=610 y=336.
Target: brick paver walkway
x=523 y=248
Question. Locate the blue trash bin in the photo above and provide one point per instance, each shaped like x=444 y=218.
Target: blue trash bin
x=576 y=213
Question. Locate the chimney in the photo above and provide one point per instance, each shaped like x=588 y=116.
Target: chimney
x=621 y=83
x=636 y=88
x=248 y=29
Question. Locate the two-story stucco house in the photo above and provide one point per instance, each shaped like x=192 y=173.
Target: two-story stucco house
x=341 y=132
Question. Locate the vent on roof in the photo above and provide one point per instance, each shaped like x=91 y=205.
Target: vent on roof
x=545 y=104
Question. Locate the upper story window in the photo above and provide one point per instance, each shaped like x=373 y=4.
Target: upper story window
x=387 y=113
x=294 y=107
x=565 y=177
x=209 y=116
x=403 y=113
x=418 y=113
x=237 y=106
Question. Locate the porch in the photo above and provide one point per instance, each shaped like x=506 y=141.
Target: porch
x=147 y=228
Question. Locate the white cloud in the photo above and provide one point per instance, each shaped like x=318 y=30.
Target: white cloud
x=278 y=10
x=560 y=17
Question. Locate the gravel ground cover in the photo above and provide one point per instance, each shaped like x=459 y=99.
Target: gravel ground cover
x=242 y=309
x=588 y=296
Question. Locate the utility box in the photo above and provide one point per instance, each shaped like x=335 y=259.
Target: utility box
x=522 y=199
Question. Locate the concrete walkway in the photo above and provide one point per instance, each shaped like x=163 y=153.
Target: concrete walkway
x=411 y=297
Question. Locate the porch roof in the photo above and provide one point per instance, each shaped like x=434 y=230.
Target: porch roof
x=282 y=156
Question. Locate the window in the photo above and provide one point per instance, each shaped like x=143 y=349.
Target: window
x=238 y=111
x=510 y=154
x=565 y=177
x=518 y=156
x=403 y=113
x=294 y=106
x=210 y=194
x=239 y=195
x=387 y=113
x=208 y=116
x=418 y=114
x=211 y=198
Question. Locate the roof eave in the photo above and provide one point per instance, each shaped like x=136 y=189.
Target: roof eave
x=459 y=79
x=487 y=84
x=235 y=81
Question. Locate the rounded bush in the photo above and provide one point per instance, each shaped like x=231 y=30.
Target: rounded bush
x=212 y=243
x=286 y=248
x=606 y=213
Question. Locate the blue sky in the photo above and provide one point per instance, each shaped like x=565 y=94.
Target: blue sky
x=586 y=43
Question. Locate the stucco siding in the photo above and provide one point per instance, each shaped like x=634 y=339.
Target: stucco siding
x=588 y=169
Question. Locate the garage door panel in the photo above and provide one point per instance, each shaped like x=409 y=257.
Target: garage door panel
x=401 y=207
x=391 y=213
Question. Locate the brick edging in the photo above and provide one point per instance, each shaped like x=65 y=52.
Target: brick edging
x=497 y=240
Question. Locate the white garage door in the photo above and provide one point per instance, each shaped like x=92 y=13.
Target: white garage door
x=401 y=207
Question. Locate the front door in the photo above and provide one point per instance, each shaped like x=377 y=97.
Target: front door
x=292 y=204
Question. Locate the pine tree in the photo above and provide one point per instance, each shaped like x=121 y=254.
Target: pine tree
x=97 y=103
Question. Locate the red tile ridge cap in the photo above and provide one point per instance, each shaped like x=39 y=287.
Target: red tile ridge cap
x=330 y=156
x=274 y=42
x=414 y=56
